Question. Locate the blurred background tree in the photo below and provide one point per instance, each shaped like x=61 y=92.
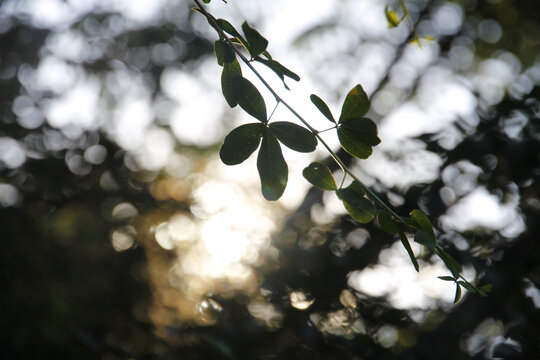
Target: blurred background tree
x=124 y=237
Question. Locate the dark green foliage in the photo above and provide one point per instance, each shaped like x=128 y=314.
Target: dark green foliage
x=294 y=136
x=323 y=108
x=356 y=105
x=273 y=170
x=423 y=238
x=358 y=136
x=360 y=208
x=451 y=264
x=256 y=43
x=241 y=143
x=407 y=246
x=387 y=223
x=423 y=221
x=229 y=86
x=279 y=69
x=223 y=52
x=250 y=99
x=319 y=175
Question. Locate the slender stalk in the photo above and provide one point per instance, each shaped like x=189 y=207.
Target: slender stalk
x=279 y=99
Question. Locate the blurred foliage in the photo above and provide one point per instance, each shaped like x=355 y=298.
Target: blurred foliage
x=82 y=276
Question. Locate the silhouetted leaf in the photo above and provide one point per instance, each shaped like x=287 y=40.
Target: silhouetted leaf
x=323 y=108
x=425 y=239
x=231 y=72
x=228 y=28
x=458 y=293
x=294 y=136
x=387 y=223
x=356 y=104
x=279 y=69
x=470 y=287
x=223 y=52
x=407 y=246
x=206 y=1
x=319 y=175
x=422 y=220
x=451 y=264
x=250 y=99
x=240 y=143
x=446 y=278
x=357 y=136
x=256 y=42
x=272 y=167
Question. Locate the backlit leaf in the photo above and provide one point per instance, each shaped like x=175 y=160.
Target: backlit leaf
x=320 y=176
x=323 y=108
x=391 y=17
x=407 y=246
x=423 y=221
x=451 y=264
x=360 y=208
x=279 y=69
x=256 y=42
x=356 y=104
x=358 y=136
x=231 y=72
x=294 y=136
x=272 y=167
x=386 y=222
x=446 y=278
x=423 y=238
x=250 y=99
x=241 y=143
x=228 y=28
x=458 y=293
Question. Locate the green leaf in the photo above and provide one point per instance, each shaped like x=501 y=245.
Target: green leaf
x=391 y=17
x=470 y=287
x=425 y=239
x=279 y=69
x=323 y=108
x=228 y=28
x=387 y=223
x=356 y=104
x=241 y=143
x=223 y=52
x=250 y=99
x=267 y=55
x=423 y=221
x=458 y=293
x=451 y=264
x=319 y=175
x=407 y=246
x=272 y=167
x=357 y=136
x=411 y=222
x=231 y=72
x=360 y=208
x=294 y=136
x=446 y=278
x=256 y=42
x=485 y=289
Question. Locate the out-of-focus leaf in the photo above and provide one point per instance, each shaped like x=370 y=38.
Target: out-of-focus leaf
x=507 y=351
x=206 y=1
x=458 y=293
x=355 y=106
x=485 y=289
x=323 y=108
x=423 y=221
x=387 y=223
x=272 y=167
x=470 y=287
x=294 y=136
x=407 y=246
x=319 y=175
x=223 y=52
x=231 y=72
x=256 y=42
x=451 y=264
x=391 y=17
x=357 y=136
x=250 y=99
x=241 y=143
x=423 y=238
